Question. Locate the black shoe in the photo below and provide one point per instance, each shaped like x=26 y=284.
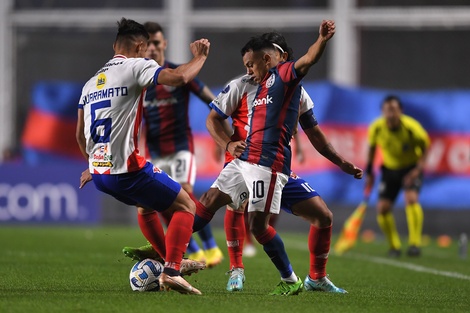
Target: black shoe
x=394 y=253
x=414 y=251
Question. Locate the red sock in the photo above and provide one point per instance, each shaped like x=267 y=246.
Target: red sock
x=202 y=211
x=177 y=238
x=152 y=229
x=234 y=224
x=266 y=236
x=319 y=246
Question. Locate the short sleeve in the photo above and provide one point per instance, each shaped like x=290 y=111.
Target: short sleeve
x=146 y=71
x=228 y=100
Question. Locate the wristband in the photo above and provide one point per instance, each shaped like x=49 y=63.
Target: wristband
x=226 y=147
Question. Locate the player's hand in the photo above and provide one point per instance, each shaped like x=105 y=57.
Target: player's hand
x=236 y=148
x=200 y=47
x=85 y=178
x=327 y=29
x=351 y=169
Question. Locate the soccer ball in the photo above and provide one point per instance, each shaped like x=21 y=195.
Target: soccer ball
x=144 y=275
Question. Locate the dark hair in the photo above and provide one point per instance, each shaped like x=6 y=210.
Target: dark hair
x=257 y=43
x=153 y=28
x=392 y=98
x=130 y=30
x=278 y=39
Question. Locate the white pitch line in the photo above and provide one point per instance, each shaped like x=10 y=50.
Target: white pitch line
x=409 y=266
x=379 y=260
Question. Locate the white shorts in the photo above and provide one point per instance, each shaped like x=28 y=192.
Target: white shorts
x=260 y=184
x=181 y=166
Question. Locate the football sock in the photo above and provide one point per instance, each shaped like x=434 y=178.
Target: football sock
x=192 y=246
x=152 y=230
x=202 y=218
x=387 y=224
x=319 y=246
x=414 y=217
x=274 y=248
x=177 y=237
x=234 y=225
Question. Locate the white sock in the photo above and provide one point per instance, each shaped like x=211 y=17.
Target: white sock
x=291 y=279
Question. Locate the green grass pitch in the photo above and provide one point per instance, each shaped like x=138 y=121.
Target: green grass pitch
x=77 y=269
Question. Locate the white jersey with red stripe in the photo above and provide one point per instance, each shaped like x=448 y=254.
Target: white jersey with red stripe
x=112 y=104
x=236 y=101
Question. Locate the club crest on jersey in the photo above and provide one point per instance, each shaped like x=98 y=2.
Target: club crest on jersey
x=156 y=169
x=100 y=81
x=270 y=80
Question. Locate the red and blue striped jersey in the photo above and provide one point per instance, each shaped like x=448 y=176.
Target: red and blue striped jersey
x=235 y=101
x=273 y=118
x=166 y=117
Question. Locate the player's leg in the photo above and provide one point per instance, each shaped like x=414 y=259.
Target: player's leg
x=122 y=188
x=183 y=170
x=414 y=217
x=211 y=253
x=249 y=248
x=320 y=217
x=158 y=191
x=389 y=188
x=300 y=199
x=264 y=200
x=234 y=225
x=228 y=189
x=209 y=203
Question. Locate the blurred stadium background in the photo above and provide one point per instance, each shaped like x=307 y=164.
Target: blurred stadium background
x=417 y=49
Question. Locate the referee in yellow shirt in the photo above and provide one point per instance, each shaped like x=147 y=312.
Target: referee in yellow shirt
x=403 y=143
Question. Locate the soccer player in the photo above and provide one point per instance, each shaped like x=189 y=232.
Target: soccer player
x=109 y=117
x=404 y=144
x=297 y=196
x=169 y=138
x=267 y=143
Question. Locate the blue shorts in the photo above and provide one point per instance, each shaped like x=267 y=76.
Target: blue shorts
x=296 y=190
x=150 y=187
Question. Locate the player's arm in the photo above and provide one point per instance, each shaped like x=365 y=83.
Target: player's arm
x=319 y=141
x=215 y=126
x=80 y=136
x=206 y=95
x=185 y=73
x=323 y=146
x=370 y=176
x=314 y=53
x=424 y=143
x=299 y=152
x=80 y=133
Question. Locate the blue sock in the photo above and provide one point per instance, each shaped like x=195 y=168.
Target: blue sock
x=276 y=252
x=207 y=238
x=199 y=223
x=192 y=246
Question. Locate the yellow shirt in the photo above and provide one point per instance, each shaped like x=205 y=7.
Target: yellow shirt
x=401 y=147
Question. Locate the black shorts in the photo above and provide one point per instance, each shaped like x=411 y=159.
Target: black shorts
x=391 y=182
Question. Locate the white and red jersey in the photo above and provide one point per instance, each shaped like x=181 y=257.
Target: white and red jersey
x=236 y=101
x=112 y=105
